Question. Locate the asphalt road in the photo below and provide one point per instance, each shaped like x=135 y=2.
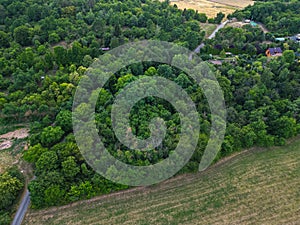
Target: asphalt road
x=22 y=209
x=213 y=34
x=220 y=26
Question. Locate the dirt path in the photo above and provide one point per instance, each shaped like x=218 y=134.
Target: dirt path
x=239 y=24
x=263 y=27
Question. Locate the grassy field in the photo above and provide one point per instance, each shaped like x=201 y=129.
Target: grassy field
x=212 y=7
x=259 y=186
x=208 y=28
x=6 y=160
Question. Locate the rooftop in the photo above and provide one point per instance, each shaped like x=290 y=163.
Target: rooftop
x=274 y=51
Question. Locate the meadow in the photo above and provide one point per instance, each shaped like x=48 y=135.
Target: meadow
x=257 y=186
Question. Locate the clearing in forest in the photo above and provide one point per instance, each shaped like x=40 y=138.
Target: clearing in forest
x=7 y=141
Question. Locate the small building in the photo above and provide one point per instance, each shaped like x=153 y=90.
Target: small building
x=247 y=21
x=280 y=39
x=232 y=20
x=105 y=49
x=274 y=52
x=295 y=38
x=216 y=62
x=253 y=24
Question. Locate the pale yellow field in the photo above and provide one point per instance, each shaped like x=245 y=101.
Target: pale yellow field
x=212 y=7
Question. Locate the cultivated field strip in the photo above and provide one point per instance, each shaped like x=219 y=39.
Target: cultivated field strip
x=259 y=186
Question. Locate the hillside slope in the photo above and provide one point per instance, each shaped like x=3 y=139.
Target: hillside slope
x=259 y=186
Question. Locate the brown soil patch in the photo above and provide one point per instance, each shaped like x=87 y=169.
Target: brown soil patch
x=5 y=145
x=62 y=44
x=19 y=134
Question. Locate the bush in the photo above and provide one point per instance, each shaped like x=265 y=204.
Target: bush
x=4 y=218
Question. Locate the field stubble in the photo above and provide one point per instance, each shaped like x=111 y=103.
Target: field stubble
x=258 y=186
x=212 y=7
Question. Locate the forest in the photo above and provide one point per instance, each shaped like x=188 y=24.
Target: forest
x=281 y=17
x=46 y=47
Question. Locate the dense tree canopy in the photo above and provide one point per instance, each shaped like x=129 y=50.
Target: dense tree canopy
x=280 y=16
x=47 y=47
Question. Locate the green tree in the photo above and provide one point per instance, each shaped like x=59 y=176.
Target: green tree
x=70 y=168
x=51 y=135
x=9 y=190
x=285 y=127
x=82 y=191
x=90 y=18
x=220 y=16
x=22 y=35
x=60 y=55
x=48 y=161
x=114 y=42
x=5 y=218
x=201 y=17
x=54 y=195
x=87 y=61
x=33 y=153
x=289 y=56
x=223 y=54
x=4 y=40
x=64 y=120
x=53 y=38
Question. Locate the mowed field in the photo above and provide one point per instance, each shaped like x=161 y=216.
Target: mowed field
x=212 y=7
x=258 y=186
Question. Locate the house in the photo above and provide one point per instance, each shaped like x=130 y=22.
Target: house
x=295 y=38
x=247 y=21
x=274 y=52
x=105 y=49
